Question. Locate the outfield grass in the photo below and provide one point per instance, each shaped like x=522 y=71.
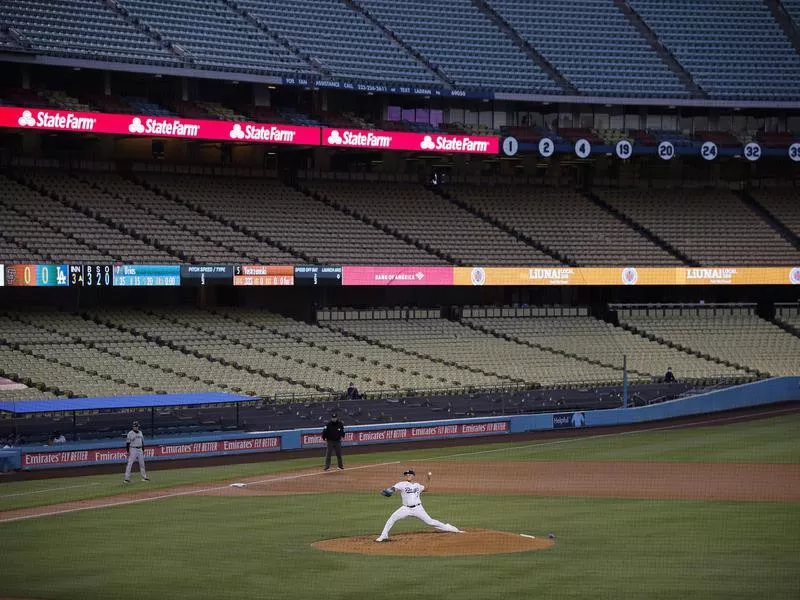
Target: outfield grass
x=260 y=548
x=774 y=440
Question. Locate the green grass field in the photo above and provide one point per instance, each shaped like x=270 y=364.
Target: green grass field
x=259 y=547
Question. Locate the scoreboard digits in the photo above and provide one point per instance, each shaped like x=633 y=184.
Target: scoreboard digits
x=36 y=275
x=91 y=275
x=322 y=275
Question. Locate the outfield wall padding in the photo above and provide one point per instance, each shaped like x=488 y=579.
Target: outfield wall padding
x=771 y=391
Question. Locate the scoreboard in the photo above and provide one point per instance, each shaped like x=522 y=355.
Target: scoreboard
x=91 y=275
x=322 y=275
x=36 y=275
x=201 y=275
x=146 y=275
x=257 y=275
x=309 y=276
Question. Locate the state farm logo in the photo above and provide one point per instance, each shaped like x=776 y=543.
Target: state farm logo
x=477 y=276
x=335 y=139
x=57 y=120
x=136 y=126
x=630 y=276
x=262 y=133
x=26 y=120
x=445 y=143
x=237 y=133
x=163 y=127
x=794 y=276
x=358 y=139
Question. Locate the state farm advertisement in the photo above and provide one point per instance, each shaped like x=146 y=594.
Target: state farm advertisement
x=397 y=275
x=155 y=452
x=144 y=126
x=401 y=140
x=412 y=433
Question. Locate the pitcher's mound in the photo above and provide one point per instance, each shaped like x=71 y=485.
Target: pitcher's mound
x=432 y=543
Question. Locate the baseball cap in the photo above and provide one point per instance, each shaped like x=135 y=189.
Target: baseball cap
x=136 y=423
x=409 y=472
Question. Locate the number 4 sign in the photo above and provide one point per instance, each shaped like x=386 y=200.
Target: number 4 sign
x=583 y=148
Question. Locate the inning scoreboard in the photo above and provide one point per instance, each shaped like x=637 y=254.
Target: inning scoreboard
x=35 y=275
x=116 y=275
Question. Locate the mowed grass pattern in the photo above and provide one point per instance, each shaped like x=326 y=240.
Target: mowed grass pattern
x=259 y=547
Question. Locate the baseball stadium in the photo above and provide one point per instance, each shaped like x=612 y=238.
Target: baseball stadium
x=386 y=299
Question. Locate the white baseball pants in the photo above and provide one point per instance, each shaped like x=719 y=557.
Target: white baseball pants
x=419 y=512
x=134 y=455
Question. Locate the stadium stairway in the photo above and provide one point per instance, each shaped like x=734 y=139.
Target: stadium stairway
x=416 y=54
x=243 y=229
x=317 y=343
x=161 y=337
x=550 y=349
x=771 y=219
x=320 y=196
x=544 y=64
x=80 y=238
x=790 y=28
x=174 y=213
x=313 y=64
x=177 y=51
x=641 y=229
x=666 y=56
x=418 y=355
x=494 y=222
x=653 y=338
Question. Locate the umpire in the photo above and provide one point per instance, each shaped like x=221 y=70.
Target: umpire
x=333 y=434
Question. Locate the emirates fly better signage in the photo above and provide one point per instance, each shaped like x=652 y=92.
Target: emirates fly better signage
x=400 y=140
x=144 y=126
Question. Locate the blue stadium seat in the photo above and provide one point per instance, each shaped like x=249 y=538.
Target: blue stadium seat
x=464 y=43
x=733 y=49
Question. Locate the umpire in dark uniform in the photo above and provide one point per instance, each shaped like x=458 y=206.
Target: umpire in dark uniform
x=333 y=434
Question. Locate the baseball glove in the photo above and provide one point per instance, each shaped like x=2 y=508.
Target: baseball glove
x=387 y=492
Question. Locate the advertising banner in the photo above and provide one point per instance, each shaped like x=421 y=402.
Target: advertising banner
x=412 y=433
x=390 y=275
x=144 y=126
x=160 y=451
x=569 y=420
x=401 y=140
x=738 y=276
x=479 y=276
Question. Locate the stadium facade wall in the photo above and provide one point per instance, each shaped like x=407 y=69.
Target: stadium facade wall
x=771 y=391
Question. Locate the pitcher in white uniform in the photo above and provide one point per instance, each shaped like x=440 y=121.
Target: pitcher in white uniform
x=135 y=447
x=410 y=492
